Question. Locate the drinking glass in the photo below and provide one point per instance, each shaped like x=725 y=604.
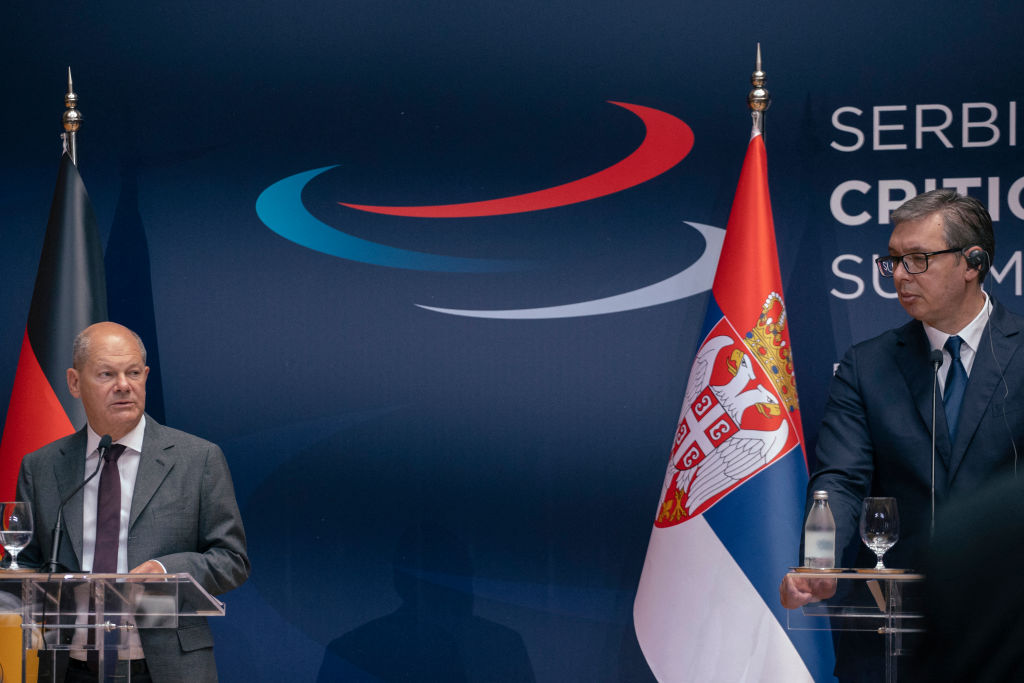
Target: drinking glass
x=15 y=529
x=879 y=526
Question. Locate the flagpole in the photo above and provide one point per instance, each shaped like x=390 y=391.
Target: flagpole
x=72 y=121
x=70 y=294
x=758 y=99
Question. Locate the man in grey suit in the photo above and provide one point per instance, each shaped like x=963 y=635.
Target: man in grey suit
x=876 y=434
x=177 y=514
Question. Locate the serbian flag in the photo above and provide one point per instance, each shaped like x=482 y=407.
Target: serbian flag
x=730 y=514
x=70 y=294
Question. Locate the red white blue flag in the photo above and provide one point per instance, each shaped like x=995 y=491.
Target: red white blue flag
x=730 y=513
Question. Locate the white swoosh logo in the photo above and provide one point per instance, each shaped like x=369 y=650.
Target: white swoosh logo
x=695 y=279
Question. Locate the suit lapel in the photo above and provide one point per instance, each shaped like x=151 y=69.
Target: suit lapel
x=912 y=355
x=154 y=465
x=69 y=471
x=999 y=343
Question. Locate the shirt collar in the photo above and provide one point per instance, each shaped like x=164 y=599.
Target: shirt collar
x=971 y=333
x=132 y=440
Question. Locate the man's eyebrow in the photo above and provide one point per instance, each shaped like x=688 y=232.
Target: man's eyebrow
x=913 y=249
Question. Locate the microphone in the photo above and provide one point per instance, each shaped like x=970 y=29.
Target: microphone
x=52 y=565
x=936 y=359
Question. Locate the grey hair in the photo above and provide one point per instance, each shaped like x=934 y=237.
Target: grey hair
x=80 y=348
x=965 y=220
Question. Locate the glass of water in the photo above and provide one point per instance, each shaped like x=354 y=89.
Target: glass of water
x=15 y=529
x=879 y=526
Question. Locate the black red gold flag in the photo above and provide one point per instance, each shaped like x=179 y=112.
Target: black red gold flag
x=70 y=294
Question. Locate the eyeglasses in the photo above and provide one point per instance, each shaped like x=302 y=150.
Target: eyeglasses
x=915 y=263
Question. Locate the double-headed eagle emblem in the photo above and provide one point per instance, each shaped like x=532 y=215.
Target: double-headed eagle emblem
x=736 y=415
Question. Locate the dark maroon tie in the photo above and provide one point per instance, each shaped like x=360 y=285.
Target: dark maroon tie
x=108 y=513
x=108 y=528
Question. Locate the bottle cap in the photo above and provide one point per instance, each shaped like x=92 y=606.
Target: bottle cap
x=821 y=495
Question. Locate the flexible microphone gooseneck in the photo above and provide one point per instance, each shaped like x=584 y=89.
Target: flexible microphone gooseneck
x=52 y=565
x=936 y=359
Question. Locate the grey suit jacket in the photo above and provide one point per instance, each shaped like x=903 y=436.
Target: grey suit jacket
x=184 y=515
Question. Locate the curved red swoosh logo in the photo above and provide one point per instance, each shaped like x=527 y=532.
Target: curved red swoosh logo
x=667 y=142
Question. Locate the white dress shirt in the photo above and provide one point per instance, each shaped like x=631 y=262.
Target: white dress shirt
x=971 y=334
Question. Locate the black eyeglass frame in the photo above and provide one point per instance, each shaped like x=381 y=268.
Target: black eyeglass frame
x=892 y=260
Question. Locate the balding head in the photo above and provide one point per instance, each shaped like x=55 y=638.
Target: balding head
x=80 y=348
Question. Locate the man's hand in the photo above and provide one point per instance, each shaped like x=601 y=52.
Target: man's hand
x=796 y=591
x=149 y=567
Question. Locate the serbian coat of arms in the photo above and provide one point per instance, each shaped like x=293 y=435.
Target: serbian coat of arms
x=737 y=414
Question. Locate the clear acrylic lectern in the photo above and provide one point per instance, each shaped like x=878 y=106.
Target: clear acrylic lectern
x=884 y=602
x=59 y=614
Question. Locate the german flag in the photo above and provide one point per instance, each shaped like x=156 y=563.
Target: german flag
x=70 y=294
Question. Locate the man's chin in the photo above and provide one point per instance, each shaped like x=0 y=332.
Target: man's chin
x=911 y=306
x=124 y=420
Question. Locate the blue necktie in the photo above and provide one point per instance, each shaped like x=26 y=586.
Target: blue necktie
x=956 y=383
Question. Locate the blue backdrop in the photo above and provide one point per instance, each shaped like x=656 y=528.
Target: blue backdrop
x=505 y=471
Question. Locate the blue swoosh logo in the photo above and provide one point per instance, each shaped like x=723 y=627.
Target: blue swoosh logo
x=281 y=209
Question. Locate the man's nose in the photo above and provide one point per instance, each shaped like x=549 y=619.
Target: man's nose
x=121 y=382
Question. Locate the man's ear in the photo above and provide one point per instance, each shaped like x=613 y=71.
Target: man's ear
x=73 y=383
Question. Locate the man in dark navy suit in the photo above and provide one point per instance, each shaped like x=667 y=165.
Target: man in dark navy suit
x=876 y=434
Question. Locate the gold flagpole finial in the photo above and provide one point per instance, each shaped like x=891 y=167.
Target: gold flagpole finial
x=758 y=99
x=72 y=121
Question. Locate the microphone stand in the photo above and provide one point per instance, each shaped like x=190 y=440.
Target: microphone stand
x=58 y=528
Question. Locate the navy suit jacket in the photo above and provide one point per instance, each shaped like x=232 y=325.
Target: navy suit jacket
x=183 y=514
x=875 y=437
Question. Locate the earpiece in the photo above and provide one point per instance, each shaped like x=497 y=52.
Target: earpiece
x=977 y=259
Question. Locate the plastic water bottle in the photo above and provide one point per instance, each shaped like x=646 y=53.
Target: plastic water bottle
x=820 y=534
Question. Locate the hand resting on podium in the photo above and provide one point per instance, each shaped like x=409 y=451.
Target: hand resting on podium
x=149 y=567
x=796 y=591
